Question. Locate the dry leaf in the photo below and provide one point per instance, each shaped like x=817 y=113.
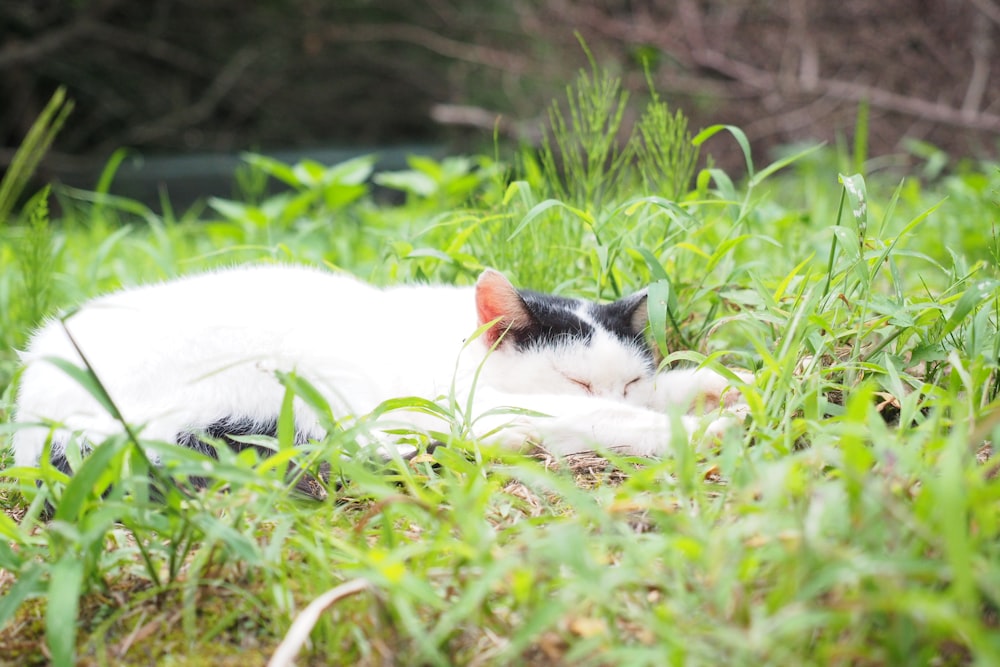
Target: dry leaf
x=583 y=626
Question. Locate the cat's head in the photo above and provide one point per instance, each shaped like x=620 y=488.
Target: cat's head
x=550 y=344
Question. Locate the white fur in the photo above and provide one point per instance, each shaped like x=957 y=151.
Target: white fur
x=179 y=356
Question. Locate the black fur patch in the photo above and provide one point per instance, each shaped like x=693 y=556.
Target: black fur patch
x=61 y=463
x=224 y=430
x=618 y=319
x=553 y=321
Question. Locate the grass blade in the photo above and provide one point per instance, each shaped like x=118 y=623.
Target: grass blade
x=65 y=588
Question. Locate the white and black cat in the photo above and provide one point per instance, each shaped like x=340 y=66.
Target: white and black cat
x=198 y=356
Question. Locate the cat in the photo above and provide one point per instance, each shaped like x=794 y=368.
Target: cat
x=196 y=359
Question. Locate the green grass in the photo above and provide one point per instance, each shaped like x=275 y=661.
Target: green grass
x=855 y=520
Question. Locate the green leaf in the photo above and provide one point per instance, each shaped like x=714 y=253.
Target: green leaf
x=738 y=134
x=309 y=172
x=523 y=190
x=103 y=200
x=655 y=268
x=978 y=293
x=353 y=172
x=286 y=420
x=724 y=184
x=857 y=196
x=339 y=195
x=230 y=210
x=90 y=481
x=781 y=164
x=413 y=403
x=272 y=167
x=28 y=584
x=861 y=137
x=242 y=546
x=110 y=169
x=34 y=146
x=10 y=532
x=309 y=394
x=544 y=206
x=65 y=588
x=425 y=165
x=414 y=182
x=659 y=303
x=10 y=560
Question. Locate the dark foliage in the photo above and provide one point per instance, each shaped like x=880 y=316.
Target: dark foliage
x=186 y=75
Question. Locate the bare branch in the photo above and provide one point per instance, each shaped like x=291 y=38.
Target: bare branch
x=470 y=116
x=989 y=8
x=808 y=70
x=298 y=634
x=913 y=106
x=422 y=37
x=792 y=120
x=852 y=91
x=200 y=110
x=16 y=53
x=152 y=48
x=695 y=50
x=690 y=16
x=485 y=119
x=982 y=47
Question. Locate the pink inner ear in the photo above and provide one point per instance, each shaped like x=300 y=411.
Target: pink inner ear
x=497 y=297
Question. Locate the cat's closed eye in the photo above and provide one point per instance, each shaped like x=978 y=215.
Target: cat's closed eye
x=583 y=384
x=630 y=384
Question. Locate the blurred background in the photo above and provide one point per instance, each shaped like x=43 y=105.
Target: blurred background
x=210 y=78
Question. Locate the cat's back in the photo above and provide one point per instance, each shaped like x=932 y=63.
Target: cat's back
x=254 y=307
x=257 y=300
x=245 y=290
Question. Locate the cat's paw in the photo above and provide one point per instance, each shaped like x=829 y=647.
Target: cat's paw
x=730 y=420
x=715 y=390
x=696 y=389
x=516 y=434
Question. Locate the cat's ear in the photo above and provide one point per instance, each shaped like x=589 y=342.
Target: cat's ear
x=637 y=315
x=496 y=298
x=635 y=311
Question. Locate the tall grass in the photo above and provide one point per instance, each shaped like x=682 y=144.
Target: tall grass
x=853 y=521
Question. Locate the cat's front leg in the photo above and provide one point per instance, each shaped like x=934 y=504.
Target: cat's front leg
x=574 y=424
x=699 y=389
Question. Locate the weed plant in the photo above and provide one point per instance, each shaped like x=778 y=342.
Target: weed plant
x=854 y=520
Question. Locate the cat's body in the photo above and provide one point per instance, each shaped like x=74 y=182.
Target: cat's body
x=199 y=355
